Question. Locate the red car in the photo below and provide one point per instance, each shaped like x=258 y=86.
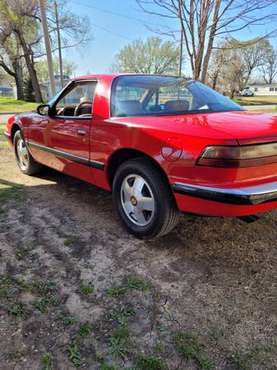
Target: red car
x=162 y=144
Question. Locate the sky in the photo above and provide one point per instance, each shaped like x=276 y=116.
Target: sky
x=114 y=24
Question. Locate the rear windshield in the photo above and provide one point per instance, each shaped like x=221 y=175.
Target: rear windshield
x=162 y=95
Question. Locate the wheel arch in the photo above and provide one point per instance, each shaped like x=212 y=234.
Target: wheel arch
x=124 y=154
x=14 y=129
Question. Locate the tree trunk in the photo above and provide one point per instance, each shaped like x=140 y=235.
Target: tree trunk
x=30 y=67
x=18 y=80
x=210 y=42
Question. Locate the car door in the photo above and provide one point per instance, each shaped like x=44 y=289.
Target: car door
x=68 y=130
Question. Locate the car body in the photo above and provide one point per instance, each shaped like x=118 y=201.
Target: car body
x=247 y=92
x=219 y=161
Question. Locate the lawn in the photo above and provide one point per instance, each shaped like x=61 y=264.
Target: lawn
x=10 y=105
x=256 y=100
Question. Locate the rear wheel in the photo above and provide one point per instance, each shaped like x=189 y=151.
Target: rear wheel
x=24 y=159
x=143 y=199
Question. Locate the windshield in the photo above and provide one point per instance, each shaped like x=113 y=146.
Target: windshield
x=161 y=95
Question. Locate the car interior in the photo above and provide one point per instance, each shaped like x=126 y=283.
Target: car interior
x=77 y=102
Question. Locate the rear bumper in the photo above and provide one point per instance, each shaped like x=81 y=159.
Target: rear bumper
x=215 y=201
x=244 y=196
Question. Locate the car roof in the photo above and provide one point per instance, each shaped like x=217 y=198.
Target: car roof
x=111 y=76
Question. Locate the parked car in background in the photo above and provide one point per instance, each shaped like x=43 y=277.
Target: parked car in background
x=247 y=92
x=162 y=145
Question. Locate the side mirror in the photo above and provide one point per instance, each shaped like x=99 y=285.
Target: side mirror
x=43 y=109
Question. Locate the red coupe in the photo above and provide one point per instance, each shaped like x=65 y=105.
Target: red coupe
x=162 y=144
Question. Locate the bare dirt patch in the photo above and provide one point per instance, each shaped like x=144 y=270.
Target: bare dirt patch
x=77 y=291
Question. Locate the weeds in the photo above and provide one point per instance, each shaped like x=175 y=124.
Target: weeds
x=190 y=348
x=74 y=354
x=122 y=314
x=18 y=309
x=150 y=363
x=47 y=361
x=252 y=359
x=86 y=289
x=131 y=283
x=85 y=329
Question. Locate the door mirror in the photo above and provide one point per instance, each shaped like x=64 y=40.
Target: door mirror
x=43 y=109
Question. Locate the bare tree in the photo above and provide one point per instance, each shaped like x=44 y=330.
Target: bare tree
x=269 y=68
x=203 y=21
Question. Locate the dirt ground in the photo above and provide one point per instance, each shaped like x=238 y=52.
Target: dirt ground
x=77 y=291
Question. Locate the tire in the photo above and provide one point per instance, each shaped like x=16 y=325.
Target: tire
x=143 y=199
x=24 y=159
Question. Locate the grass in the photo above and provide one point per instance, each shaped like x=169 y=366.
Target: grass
x=150 y=363
x=47 y=362
x=256 y=100
x=258 y=357
x=122 y=314
x=74 y=354
x=86 y=288
x=69 y=320
x=18 y=309
x=10 y=105
x=10 y=192
x=190 y=348
x=130 y=283
x=119 y=342
x=85 y=329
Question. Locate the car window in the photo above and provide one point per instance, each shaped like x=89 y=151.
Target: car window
x=164 y=95
x=77 y=101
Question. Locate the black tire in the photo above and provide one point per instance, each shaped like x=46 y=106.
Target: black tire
x=165 y=215
x=30 y=167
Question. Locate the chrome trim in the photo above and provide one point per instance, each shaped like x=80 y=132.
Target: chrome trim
x=250 y=195
x=59 y=153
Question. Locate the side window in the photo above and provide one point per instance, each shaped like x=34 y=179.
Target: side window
x=127 y=100
x=77 y=101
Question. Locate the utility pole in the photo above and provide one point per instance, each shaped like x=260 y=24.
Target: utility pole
x=181 y=37
x=181 y=53
x=59 y=43
x=47 y=46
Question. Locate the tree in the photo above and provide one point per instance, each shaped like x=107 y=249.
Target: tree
x=42 y=68
x=11 y=60
x=269 y=68
x=16 y=16
x=150 y=56
x=20 y=22
x=204 y=21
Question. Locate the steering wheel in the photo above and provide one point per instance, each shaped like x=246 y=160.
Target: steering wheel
x=79 y=106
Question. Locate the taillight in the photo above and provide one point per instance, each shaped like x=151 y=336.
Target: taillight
x=238 y=156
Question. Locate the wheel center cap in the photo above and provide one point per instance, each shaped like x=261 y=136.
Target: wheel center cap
x=133 y=201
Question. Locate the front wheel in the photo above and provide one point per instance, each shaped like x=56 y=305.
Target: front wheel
x=143 y=199
x=24 y=159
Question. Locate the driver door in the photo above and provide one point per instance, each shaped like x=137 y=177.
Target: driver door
x=69 y=130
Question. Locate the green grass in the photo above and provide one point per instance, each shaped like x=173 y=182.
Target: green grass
x=130 y=283
x=107 y=367
x=47 y=362
x=120 y=342
x=10 y=105
x=258 y=357
x=190 y=348
x=86 y=288
x=74 y=354
x=85 y=329
x=150 y=363
x=256 y=100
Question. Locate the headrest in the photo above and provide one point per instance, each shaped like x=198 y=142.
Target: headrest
x=176 y=105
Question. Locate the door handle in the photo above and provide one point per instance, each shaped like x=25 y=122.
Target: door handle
x=81 y=132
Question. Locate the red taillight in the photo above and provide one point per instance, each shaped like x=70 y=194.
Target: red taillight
x=238 y=156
